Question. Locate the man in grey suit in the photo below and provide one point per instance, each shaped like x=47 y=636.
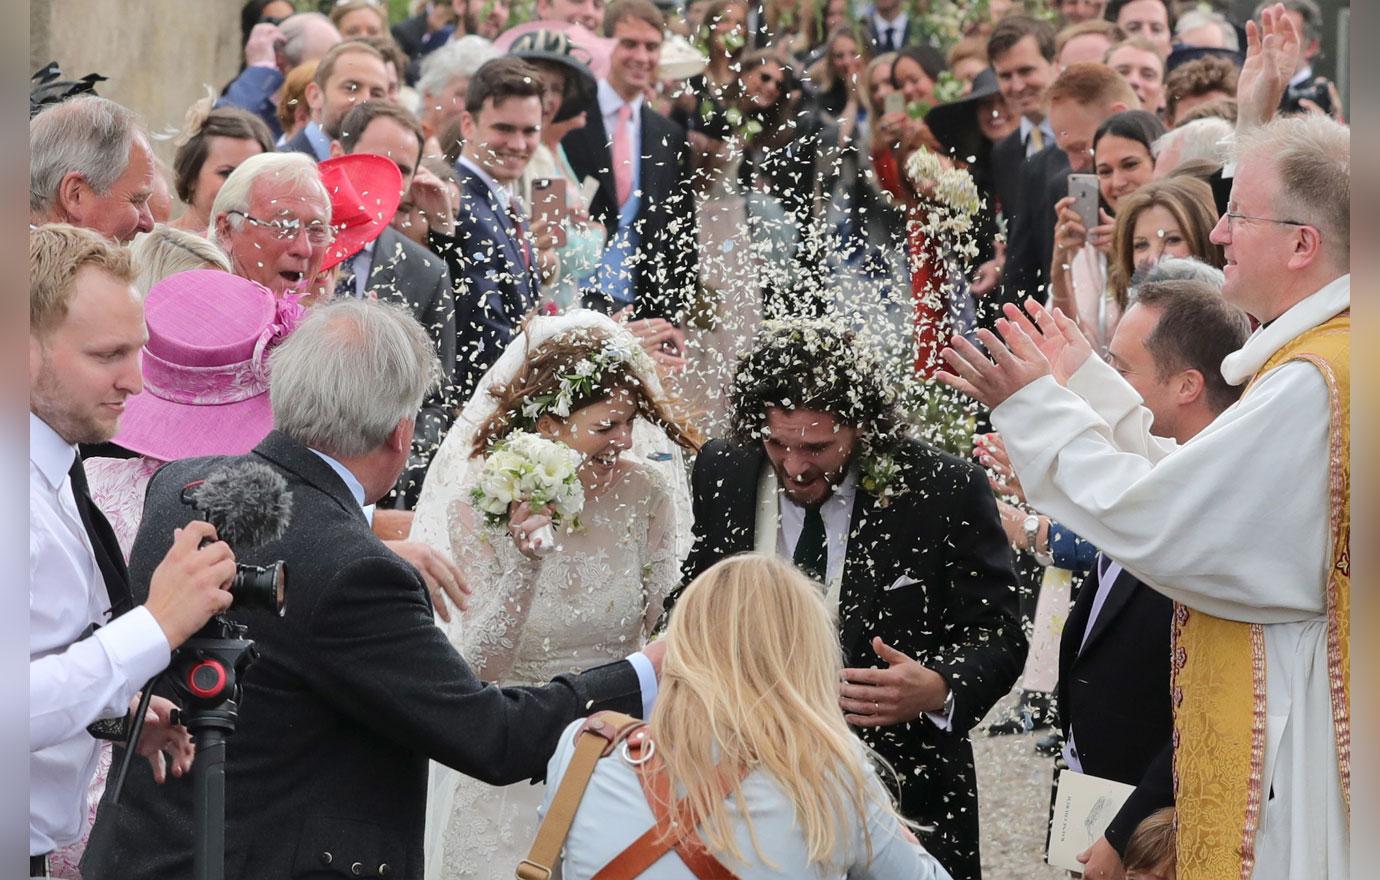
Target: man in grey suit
x=355 y=687
x=397 y=269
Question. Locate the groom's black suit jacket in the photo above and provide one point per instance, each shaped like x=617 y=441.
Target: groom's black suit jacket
x=355 y=689
x=958 y=617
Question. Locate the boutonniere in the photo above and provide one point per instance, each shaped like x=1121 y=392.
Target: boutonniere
x=880 y=474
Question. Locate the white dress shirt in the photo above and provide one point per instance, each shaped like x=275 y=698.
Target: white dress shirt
x=73 y=681
x=609 y=103
x=897 y=28
x=1046 y=130
x=837 y=512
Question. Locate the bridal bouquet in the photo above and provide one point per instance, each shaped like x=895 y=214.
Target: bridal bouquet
x=528 y=467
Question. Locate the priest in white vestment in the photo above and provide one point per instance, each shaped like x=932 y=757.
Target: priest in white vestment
x=1240 y=522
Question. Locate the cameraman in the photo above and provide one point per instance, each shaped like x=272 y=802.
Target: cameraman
x=90 y=649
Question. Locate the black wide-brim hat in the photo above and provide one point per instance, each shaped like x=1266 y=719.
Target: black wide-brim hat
x=555 y=47
x=955 y=124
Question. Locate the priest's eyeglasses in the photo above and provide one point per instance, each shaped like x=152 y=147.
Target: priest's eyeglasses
x=1233 y=217
x=288 y=228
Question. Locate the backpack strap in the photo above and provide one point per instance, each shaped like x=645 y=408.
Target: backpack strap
x=598 y=736
x=670 y=816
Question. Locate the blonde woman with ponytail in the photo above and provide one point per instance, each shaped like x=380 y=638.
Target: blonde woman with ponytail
x=749 y=706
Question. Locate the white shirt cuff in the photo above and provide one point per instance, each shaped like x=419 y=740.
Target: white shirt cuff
x=646 y=680
x=944 y=722
x=137 y=647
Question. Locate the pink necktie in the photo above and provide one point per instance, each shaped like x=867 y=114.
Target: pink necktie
x=622 y=155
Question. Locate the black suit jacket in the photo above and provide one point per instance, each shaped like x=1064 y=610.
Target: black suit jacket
x=1007 y=160
x=958 y=617
x=408 y=274
x=1044 y=181
x=909 y=34
x=494 y=290
x=1114 y=694
x=355 y=689
x=299 y=143
x=665 y=266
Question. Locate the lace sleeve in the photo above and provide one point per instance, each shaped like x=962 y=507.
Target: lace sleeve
x=661 y=564
x=503 y=581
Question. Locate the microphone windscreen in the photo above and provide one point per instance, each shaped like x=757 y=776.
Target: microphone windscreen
x=248 y=503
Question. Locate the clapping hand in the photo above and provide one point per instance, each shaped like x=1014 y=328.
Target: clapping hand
x=990 y=451
x=1051 y=345
x=902 y=692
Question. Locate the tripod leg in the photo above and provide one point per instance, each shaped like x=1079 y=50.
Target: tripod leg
x=208 y=779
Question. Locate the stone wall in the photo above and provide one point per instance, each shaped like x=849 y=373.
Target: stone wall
x=159 y=55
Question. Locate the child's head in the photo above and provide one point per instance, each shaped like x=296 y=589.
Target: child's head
x=1150 y=851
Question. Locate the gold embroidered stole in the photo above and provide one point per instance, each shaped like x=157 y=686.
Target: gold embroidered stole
x=1219 y=665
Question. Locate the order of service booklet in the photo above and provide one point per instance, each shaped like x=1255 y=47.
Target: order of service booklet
x=1083 y=808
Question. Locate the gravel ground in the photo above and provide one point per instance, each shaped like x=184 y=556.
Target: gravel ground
x=1013 y=794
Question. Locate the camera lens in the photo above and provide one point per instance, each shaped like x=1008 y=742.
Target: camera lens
x=260 y=586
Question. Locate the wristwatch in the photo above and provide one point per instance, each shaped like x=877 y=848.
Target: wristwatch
x=1032 y=537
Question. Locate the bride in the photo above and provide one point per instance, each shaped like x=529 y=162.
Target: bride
x=583 y=380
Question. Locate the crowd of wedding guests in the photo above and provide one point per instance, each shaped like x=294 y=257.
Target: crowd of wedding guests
x=709 y=247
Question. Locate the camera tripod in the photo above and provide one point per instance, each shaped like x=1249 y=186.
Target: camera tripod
x=205 y=675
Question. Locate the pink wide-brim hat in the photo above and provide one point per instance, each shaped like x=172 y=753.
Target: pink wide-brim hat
x=205 y=366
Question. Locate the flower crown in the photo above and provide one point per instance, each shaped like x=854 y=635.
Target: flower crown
x=587 y=375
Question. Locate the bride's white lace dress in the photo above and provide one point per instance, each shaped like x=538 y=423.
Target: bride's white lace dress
x=593 y=600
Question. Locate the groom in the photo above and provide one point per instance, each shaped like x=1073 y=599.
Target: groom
x=908 y=547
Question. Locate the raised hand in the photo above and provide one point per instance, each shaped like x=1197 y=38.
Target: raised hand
x=1273 y=48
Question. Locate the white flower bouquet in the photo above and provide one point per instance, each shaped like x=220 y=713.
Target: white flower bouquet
x=528 y=467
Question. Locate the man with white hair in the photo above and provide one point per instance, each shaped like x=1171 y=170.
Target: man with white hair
x=445 y=79
x=1202 y=28
x=1202 y=140
x=90 y=165
x=1246 y=526
x=355 y=688
x=271 y=52
x=273 y=220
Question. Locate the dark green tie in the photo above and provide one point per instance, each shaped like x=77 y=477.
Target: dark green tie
x=812 y=550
